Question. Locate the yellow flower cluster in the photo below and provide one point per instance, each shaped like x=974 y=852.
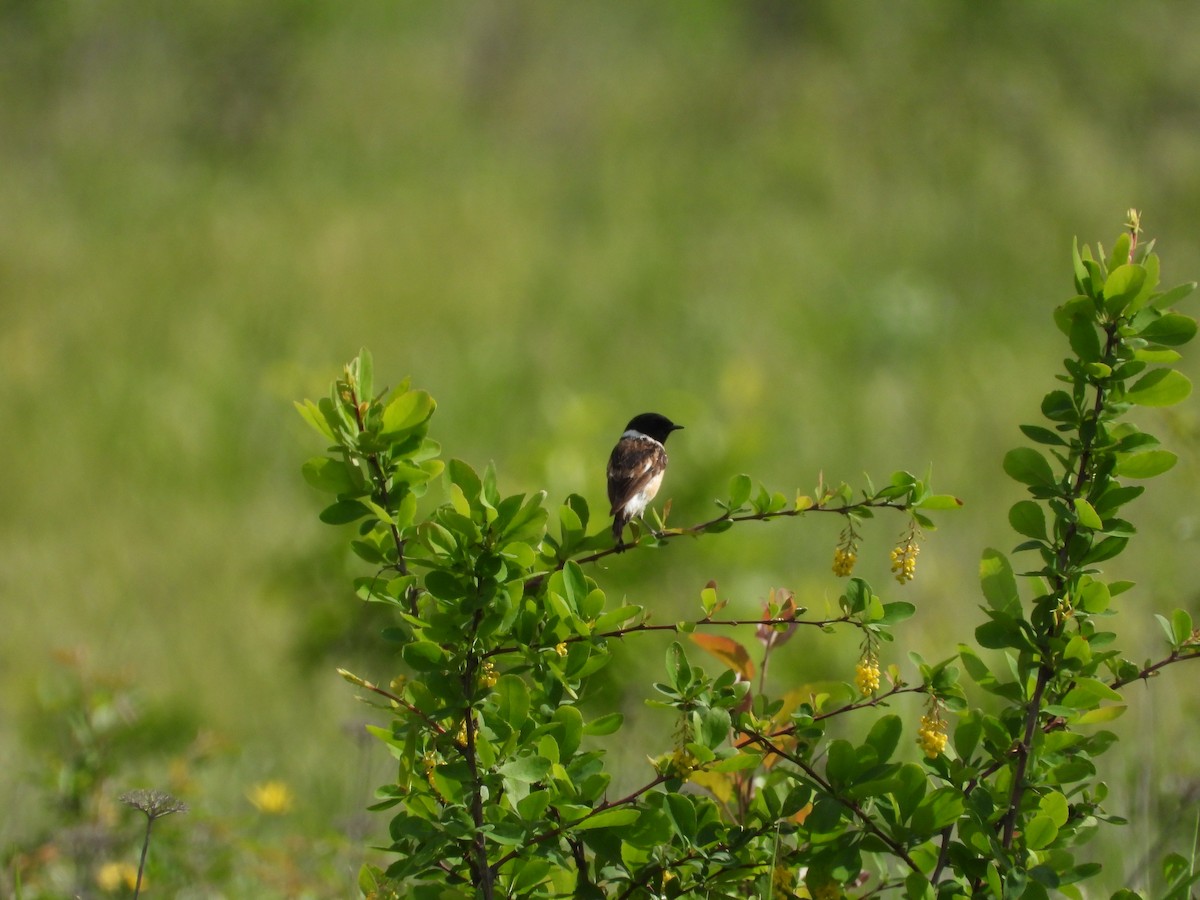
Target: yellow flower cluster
x=904 y=560
x=866 y=675
x=679 y=763
x=487 y=674
x=828 y=890
x=561 y=648
x=931 y=736
x=782 y=883
x=844 y=559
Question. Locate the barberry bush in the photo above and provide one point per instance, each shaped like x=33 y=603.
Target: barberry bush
x=501 y=622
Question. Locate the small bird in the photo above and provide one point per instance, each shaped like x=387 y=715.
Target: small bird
x=636 y=468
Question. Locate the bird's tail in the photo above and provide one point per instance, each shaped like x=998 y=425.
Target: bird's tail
x=619 y=521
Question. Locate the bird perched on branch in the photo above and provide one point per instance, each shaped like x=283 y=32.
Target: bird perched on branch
x=636 y=468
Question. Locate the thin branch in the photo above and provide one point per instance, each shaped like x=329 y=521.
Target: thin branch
x=484 y=874
x=399 y=701
x=533 y=582
x=677 y=627
x=859 y=813
x=877 y=700
x=560 y=829
x=1145 y=674
x=1024 y=751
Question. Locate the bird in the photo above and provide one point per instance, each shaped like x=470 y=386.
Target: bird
x=636 y=468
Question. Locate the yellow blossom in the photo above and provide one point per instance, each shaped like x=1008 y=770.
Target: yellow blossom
x=561 y=648
x=931 y=736
x=272 y=798
x=488 y=674
x=828 y=890
x=783 y=882
x=843 y=561
x=904 y=560
x=866 y=675
x=112 y=876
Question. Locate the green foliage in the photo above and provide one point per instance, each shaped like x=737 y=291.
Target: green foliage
x=501 y=782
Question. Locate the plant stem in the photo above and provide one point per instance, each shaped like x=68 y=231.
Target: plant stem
x=137 y=889
x=484 y=874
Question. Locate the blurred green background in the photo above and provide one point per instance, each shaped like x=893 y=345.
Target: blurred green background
x=826 y=237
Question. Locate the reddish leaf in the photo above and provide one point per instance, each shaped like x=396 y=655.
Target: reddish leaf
x=728 y=651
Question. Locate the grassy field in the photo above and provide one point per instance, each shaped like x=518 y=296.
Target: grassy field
x=826 y=239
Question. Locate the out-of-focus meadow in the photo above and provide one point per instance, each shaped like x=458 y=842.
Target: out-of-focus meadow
x=825 y=237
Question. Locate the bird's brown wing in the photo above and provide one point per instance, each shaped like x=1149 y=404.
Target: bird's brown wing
x=634 y=464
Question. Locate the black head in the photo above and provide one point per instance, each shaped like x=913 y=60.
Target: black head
x=653 y=425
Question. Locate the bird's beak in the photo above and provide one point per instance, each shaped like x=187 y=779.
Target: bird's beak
x=677 y=428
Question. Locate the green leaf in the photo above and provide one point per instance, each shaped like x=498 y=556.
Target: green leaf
x=1078 y=649
x=997 y=580
x=1181 y=626
x=343 y=512
x=1040 y=831
x=1041 y=435
x=939 y=501
x=917 y=887
x=363 y=366
x=424 y=656
x=1001 y=633
x=1086 y=515
x=1106 y=549
x=1094 y=597
x=609 y=818
x=311 y=413
x=966 y=736
x=1156 y=356
x=1171 y=330
x=895 y=612
x=1029 y=519
x=841 y=763
x=682 y=813
x=937 y=810
x=1089 y=692
x=1120 y=251
x=1084 y=339
x=1144 y=465
x=407 y=411
x=1054 y=804
x=714 y=727
x=534 y=806
x=738 y=763
x=606 y=724
x=1122 y=285
x=571 y=720
x=513 y=700
x=329 y=475
x=1173 y=296
x=678 y=667
x=1160 y=387
x=740 y=487
x=1057 y=406
x=1028 y=466
x=884 y=736
x=526 y=769
x=529 y=874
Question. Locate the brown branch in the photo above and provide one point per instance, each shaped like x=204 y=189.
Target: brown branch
x=485 y=875
x=399 y=701
x=559 y=830
x=678 y=627
x=534 y=582
x=859 y=813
